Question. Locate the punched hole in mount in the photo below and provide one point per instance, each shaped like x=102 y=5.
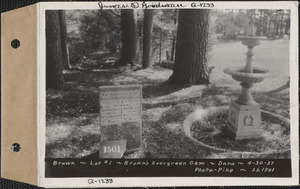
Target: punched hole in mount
x=16 y=147
x=15 y=43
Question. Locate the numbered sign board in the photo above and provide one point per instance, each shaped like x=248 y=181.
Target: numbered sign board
x=112 y=148
x=120 y=119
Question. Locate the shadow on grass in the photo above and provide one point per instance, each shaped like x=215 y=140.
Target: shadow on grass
x=221 y=96
x=89 y=79
x=165 y=137
x=73 y=102
x=165 y=143
x=160 y=89
x=80 y=94
x=72 y=146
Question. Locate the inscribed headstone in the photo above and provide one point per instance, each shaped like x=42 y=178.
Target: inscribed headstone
x=120 y=119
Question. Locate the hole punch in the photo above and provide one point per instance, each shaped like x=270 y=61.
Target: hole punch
x=15 y=43
x=16 y=147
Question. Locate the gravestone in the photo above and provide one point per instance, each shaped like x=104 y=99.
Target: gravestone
x=120 y=120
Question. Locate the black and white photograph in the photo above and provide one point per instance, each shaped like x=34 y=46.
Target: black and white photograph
x=185 y=90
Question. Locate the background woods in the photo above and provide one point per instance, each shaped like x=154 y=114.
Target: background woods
x=106 y=38
x=270 y=23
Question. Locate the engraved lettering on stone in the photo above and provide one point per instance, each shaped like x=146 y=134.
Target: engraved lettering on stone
x=120 y=105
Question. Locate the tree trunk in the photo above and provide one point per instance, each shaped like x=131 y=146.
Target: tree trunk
x=287 y=27
x=261 y=24
x=265 y=24
x=287 y=24
x=276 y=28
x=113 y=42
x=64 y=39
x=281 y=25
x=174 y=38
x=167 y=55
x=147 y=38
x=130 y=37
x=190 y=65
x=160 y=47
x=54 y=73
x=139 y=58
x=173 y=48
x=269 y=27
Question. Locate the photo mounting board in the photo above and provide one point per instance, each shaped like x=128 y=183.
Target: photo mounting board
x=24 y=104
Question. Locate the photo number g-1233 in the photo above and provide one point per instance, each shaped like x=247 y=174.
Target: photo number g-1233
x=100 y=181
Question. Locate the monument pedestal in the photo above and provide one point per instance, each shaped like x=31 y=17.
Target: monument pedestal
x=244 y=121
x=244 y=115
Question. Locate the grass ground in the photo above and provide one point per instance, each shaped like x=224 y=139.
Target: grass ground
x=72 y=128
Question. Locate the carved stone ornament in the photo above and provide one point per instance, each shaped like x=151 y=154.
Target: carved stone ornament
x=248 y=120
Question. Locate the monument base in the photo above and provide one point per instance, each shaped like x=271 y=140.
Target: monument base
x=244 y=121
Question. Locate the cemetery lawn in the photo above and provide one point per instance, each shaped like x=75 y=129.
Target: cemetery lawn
x=72 y=114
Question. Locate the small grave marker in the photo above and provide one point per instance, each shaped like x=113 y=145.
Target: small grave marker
x=120 y=119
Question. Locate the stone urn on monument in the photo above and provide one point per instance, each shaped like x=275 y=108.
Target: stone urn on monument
x=244 y=114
